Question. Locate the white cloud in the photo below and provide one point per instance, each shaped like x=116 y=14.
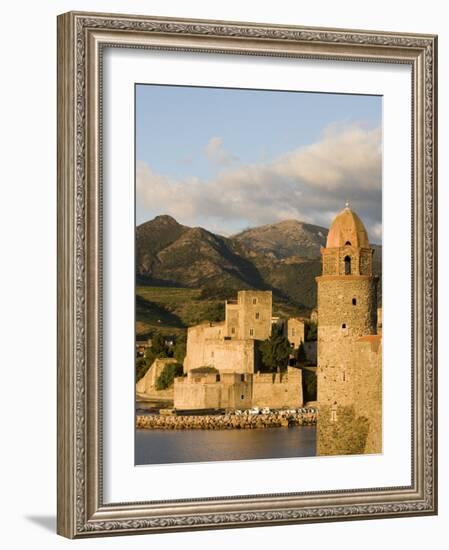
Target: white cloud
x=376 y=232
x=310 y=183
x=215 y=152
x=342 y=156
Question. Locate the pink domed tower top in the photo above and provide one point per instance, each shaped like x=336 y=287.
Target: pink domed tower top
x=347 y=250
x=347 y=229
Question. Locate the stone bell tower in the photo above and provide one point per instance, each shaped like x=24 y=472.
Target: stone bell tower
x=347 y=311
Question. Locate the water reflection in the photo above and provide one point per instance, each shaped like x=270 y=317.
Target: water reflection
x=166 y=447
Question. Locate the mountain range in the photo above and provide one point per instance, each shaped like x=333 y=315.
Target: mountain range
x=283 y=257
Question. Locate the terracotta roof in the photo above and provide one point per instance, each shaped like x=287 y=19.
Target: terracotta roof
x=347 y=227
x=373 y=339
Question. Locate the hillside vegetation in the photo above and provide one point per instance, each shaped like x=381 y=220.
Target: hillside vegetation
x=170 y=310
x=184 y=274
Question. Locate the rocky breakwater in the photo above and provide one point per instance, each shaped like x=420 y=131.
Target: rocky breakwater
x=275 y=419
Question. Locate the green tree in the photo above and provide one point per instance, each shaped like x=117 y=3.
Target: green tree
x=205 y=369
x=167 y=376
x=149 y=356
x=275 y=350
x=179 y=349
x=157 y=349
x=214 y=312
x=158 y=346
x=141 y=368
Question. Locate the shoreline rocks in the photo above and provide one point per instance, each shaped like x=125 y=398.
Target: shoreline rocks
x=279 y=419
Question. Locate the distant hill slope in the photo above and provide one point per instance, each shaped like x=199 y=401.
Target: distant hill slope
x=169 y=253
x=283 y=257
x=284 y=239
x=152 y=237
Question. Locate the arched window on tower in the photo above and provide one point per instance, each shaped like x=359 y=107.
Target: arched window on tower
x=347 y=265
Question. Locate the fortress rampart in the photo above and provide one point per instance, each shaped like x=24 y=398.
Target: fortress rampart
x=239 y=391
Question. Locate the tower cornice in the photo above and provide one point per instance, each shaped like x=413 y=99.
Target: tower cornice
x=345 y=277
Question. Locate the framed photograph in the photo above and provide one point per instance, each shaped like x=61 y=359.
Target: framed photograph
x=246 y=274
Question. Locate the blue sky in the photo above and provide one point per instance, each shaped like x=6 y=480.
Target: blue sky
x=228 y=159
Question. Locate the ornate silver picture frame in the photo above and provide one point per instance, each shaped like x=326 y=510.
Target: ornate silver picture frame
x=82 y=40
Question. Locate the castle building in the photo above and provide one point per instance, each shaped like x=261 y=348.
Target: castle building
x=221 y=363
x=209 y=390
x=249 y=316
x=230 y=345
x=349 y=348
x=294 y=331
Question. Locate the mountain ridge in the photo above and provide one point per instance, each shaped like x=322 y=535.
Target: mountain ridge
x=283 y=257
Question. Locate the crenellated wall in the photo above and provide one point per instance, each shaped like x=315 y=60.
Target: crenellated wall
x=239 y=391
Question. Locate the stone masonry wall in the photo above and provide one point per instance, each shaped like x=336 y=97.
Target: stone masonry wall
x=278 y=390
x=356 y=428
x=277 y=419
x=230 y=355
x=347 y=311
x=255 y=314
x=346 y=434
x=190 y=394
x=335 y=303
x=230 y=390
x=334 y=260
x=206 y=346
x=232 y=319
x=341 y=323
x=368 y=380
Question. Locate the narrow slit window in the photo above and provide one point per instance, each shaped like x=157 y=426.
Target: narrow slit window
x=347 y=265
x=354 y=302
